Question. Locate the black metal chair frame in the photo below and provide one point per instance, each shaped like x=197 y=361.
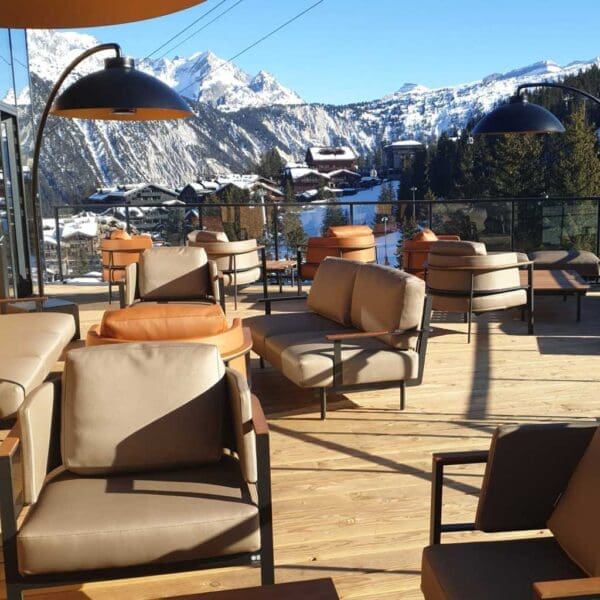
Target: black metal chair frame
x=11 y=504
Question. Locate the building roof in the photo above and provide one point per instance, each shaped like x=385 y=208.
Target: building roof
x=343 y=172
x=404 y=144
x=299 y=172
x=330 y=153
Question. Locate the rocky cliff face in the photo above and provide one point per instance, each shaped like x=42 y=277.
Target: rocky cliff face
x=237 y=117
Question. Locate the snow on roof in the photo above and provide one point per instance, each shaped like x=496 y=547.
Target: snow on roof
x=404 y=143
x=84 y=227
x=331 y=153
x=173 y=202
x=342 y=172
x=298 y=172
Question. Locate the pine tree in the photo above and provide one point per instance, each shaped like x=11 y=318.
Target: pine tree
x=292 y=230
x=269 y=165
x=334 y=215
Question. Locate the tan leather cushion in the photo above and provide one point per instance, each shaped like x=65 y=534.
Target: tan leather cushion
x=307 y=360
x=349 y=231
x=492 y=570
x=458 y=248
x=163 y=322
x=575 y=521
x=263 y=327
x=207 y=236
x=385 y=298
x=425 y=235
x=331 y=292
x=119 y=234
x=30 y=345
x=144 y=406
x=240 y=255
x=173 y=273
x=82 y=523
x=488 y=261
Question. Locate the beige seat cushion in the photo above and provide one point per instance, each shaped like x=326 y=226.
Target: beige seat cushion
x=502 y=570
x=177 y=273
x=307 y=360
x=582 y=261
x=128 y=407
x=384 y=298
x=331 y=292
x=265 y=326
x=30 y=345
x=82 y=523
x=575 y=521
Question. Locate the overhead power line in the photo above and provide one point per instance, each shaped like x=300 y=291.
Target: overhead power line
x=260 y=40
x=182 y=31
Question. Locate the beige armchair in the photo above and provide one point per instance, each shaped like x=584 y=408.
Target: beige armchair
x=537 y=477
x=239 y=263
x=170 y=274
x=462 y=277
x=167 y=471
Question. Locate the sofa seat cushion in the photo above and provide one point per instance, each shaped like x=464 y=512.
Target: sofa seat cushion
x=265 y=326
x=385 y=298
x=583 y=262
x=306 y=358
x=163 y=322
x=114 y=423
x=82 y=523
x=500 y=570
x=30 y=345
x=492 y=302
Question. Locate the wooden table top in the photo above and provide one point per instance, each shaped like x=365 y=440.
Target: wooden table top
x=313 y=589
x=558 y=281
x=280 y=265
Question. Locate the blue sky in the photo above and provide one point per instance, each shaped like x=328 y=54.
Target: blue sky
x=350 y=50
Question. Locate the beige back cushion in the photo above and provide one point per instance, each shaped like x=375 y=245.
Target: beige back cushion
x=458 y=248
x=331 y=292
x=575 y=521
x=385 y=298
x=207 y=236
x=142 y=406
x=241 y=255
x=173 y=273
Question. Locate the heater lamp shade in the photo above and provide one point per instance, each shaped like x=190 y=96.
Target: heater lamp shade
x=51 y=14
x=120 y=93
x=519 y=116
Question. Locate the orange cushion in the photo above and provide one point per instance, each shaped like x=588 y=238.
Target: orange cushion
x=575 y=521
x=162 y=322
x=425 y=235
x=348 y=230
x=119 y=234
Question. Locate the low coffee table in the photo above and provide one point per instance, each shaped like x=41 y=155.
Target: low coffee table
x=558 y=283
x=313 y=589
x=281 y=268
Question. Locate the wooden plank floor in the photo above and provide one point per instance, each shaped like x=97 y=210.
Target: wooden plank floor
x=351 y=494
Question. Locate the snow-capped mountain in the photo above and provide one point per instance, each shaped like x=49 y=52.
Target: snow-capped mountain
x=238 y=116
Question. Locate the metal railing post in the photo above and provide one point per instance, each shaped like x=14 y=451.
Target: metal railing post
x=512 y=225
x=430 y=213
x=276 y=229
x=351 y=214
x=61 y=275
x=127 y=222
x=597 y=227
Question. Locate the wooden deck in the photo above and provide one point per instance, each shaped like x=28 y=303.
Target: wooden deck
x=351 y=494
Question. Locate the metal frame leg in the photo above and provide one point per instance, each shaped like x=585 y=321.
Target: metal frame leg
x=402 y=395
x=323 y=397
x=579 y=306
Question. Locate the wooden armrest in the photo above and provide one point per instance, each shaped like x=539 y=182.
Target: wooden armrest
x=29 y=299
x=259 y=421
x=334 y=337
x=586 y=587
x=9 y=446
x=461 y=458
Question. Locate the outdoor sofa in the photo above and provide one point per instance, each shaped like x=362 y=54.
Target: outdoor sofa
x=364 y=326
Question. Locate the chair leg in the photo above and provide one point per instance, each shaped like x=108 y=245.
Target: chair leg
x=402 y=395
x=323 y=396
x=469 y=321
x=110 y=289
x=13 y=592
x=261 y=362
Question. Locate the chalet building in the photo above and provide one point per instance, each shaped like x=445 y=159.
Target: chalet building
x=137 y=193
x=304 y=178
x=332 y=158
x=395 y=154
x=344 y=178
x=195 y=192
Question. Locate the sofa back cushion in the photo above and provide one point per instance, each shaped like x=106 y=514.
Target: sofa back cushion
x=331 y=292
x=137 y=407
x=176 y=273
x=204 y=235
x=385 y=298
x=458 y=248
x=162 y=322
x=348 y=231
x=575 y=521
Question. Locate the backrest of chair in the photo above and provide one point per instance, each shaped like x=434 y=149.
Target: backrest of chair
x=136 y=407
x=348 y=231
x=414 y=251
x=241 y=254
x=174 y=273
x=131 y=250
x=205 y=235
x=331 y=292
x=384 y=298
x=359 y=247
x=528 y=468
